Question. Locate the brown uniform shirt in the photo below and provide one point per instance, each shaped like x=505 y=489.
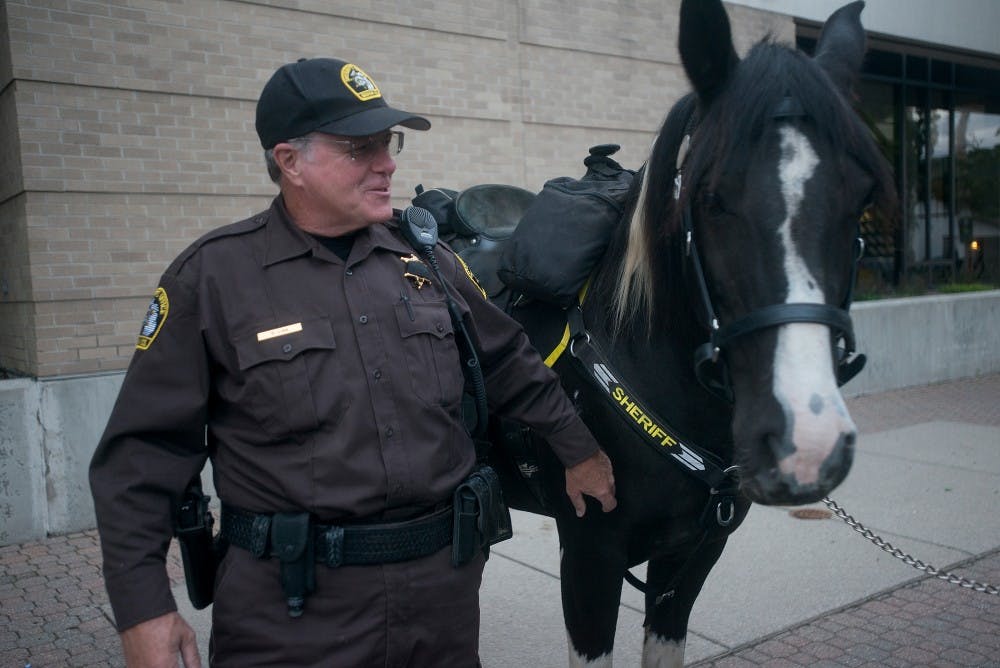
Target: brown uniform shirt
x=313 y=384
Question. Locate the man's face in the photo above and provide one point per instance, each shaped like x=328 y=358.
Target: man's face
x=346 y=181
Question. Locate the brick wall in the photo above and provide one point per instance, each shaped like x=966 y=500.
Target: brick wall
x=126 y=127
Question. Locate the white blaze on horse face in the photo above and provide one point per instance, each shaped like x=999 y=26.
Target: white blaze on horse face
x=804 y=382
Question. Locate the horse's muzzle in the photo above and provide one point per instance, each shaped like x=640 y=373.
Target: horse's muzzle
x=783 y=483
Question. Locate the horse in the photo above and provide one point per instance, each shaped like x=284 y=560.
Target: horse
x=709 y=344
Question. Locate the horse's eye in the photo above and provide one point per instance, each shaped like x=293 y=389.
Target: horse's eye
x=867 y=207
x=865 y=215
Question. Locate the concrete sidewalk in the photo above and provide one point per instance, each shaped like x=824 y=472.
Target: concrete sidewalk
x=787 y=591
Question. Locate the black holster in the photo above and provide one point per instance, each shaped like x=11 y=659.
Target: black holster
x=481 y=516
x=293 y=543
x=199 y=553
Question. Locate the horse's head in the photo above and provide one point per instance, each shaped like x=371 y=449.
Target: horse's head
x=778 y=172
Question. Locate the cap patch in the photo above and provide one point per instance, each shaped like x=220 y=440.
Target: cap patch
x=359 y=83
x=156 y=314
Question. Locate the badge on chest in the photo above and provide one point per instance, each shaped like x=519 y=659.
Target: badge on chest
x=415 y=271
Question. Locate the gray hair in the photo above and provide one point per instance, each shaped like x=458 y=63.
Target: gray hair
x=273 y=170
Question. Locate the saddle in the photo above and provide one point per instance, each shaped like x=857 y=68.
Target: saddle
x=476 y=222
x=542 y=246
x=485 y=218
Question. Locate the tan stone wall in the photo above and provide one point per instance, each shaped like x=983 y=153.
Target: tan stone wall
x=126 y=127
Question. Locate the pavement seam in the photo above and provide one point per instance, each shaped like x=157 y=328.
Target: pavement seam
x=523 y=563
x=925 y=462
x=882 y=533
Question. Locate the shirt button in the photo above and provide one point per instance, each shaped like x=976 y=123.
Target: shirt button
x=389 y=431
x=349 y=272
x=440 y=327
x=377 y=373
x=287 y=348
x=363 y=319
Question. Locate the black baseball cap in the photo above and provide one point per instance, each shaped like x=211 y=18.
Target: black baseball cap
x=325 y=95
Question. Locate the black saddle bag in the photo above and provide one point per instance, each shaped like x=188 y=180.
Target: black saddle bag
x=566 y=229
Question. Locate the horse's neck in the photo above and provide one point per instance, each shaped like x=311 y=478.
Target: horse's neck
x=657 y=361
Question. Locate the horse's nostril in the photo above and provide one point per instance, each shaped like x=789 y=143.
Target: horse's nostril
x=850 y=439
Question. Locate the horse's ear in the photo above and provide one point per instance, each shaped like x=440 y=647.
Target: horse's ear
x=841 y=47
x=706 y=46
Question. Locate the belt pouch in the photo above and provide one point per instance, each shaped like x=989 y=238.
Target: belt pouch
x=293 y=545
x=494 y=516
x=481 y=516
x=193 y=528
x=465 y=538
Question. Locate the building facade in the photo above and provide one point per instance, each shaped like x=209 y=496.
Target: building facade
x=126 y=131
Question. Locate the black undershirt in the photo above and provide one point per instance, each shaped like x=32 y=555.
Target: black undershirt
x=340 y=246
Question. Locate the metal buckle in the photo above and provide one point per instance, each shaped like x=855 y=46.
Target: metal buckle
x=731 y=506
x=572 y=343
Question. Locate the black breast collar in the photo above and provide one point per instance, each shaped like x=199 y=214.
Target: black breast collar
x=656 y=433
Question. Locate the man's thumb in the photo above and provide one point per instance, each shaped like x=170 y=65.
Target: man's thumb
x=189 y=651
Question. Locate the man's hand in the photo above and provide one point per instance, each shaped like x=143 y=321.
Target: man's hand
x=593 y=477
x=155 y=643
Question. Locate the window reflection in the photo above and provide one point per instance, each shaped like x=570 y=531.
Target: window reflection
x=977 y=161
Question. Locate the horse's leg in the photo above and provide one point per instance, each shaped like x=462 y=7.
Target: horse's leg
x=667 y=621
x=591 y=569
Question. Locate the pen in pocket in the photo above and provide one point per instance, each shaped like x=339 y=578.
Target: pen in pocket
x=409 y=306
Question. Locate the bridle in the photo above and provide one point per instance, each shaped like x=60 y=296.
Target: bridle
x=709 y=362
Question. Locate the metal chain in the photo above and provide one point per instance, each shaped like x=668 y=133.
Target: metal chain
x=899 y=554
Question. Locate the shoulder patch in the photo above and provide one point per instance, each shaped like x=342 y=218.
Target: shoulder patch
x=156 y=315
x=472 y=277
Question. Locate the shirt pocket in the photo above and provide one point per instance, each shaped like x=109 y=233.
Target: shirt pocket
x=279 y=372
x=428 y=340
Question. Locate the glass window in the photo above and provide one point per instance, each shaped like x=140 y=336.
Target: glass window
x=931 y=253
x=941 y=72
x=877 y=269
x=884 y=64
x=979 y=79
x=977 y=161
x=916 y=68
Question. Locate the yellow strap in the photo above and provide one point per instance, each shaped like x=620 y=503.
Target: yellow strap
x=553 y=356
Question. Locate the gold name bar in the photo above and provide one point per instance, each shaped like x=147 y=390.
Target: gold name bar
x=279 y=331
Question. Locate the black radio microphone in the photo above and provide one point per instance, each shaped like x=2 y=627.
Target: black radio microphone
x=419 y=228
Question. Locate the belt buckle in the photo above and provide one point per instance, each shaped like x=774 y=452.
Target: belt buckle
x=332 y=541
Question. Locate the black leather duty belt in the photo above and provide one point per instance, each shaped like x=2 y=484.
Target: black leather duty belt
x=351 y=545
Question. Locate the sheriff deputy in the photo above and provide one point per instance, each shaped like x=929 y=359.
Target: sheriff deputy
x=306 y=355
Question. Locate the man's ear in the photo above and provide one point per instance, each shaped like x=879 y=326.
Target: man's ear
x=289 y=161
